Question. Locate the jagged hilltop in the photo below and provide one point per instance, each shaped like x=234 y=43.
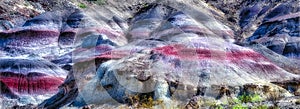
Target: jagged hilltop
x=149 y=54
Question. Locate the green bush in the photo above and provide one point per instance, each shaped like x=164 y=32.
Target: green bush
x=239 y=106
x=261 y=107
x=82 y=5
x=249 y=98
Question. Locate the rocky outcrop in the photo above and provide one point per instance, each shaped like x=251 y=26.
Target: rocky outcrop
x=159 y=64
x=155 y=70
x=68 y=91
x=280 y=34
x=274 y=24
x=244 y=16
x=288 y=64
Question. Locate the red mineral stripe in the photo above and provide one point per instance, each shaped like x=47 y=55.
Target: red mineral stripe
x=32 y=84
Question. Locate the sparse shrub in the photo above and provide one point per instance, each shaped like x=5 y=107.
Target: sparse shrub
x=216 y=106
x=239 y=106
x=249 y=98
x=144 y=5
x=244 y=98
x=256 y=98
x=99 y=2
x=261 y=107
x=233 y=101
x=139 y=101
x=82 y=5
